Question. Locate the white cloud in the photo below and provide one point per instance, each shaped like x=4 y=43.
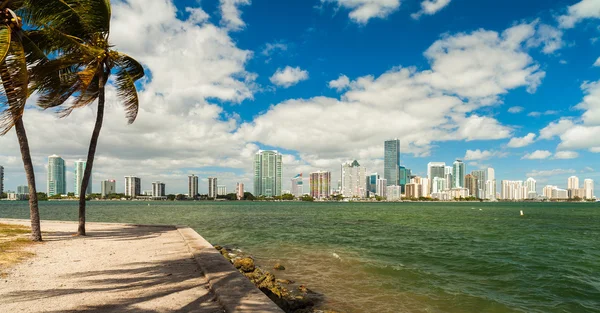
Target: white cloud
x=521 y=142
x=537 y=155
x=547 y=36
x=515 y=110
x=556 y=128
x=271 y=48
x=538 y=114
x=289 y=76
x=361 y=11
x=340 y=84
x=481 y=127
x=597 y=63
x=566 y=155
x=584 y=134
x=231 y=16
x=430 y=7
x=582 y=10
x=477 y=155
x=550 y=173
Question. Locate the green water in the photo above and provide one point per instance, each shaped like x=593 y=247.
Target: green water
x=398 y=257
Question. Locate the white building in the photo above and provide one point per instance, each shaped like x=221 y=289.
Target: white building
x=192 y=186
x=212 y=187
x=108 y=187
x=158 y=189
x=457 y=193
x=560 y=194
x=531 y=188
x=588 y=189
x=221 y=190
x=573 y=182
x=79 y=171
x=354 y=180
x=381 y=187
x=512 y=190
x=298 y=186
x=438 y=185
x=547 y=191
x=435 y=169
x=490 y=184
x=133 y=186
x=394 y=193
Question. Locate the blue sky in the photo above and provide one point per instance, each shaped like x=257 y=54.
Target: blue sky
x=484 y=81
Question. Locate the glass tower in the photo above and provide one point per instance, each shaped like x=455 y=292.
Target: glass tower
x=79 y=169
x=458 y=174
x=267 y=173
x=57 y=176
x=391 y=162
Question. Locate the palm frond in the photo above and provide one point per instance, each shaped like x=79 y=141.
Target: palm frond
x=15 y=78
x=127 y=93
x=5 y=37
x=133 y=67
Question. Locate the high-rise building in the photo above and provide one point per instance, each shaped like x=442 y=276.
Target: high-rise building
x=79 y=170
x=22 y=190
x=221 y=190
x=531 y=188
x=1 y=179
x=212 y=187
x=267 y=173
x=512 y=190
x=372 y=183
x=560 y=194
x=354 y=183
x=381 y=187
x=405 y=174
x=158 y=189
x=320 y=185
x=394 y=193
x=133 y=186
x=547 y=191
x=435 y=169
x=413 y=190
x=108 y=187
x=239 y=191
x=391 y=162
x=481 y=179
x=458 y=174
x=588 y=189
x=57 y=176
x=438 y=185
x=573 y=182
x=297 y=186
x=192 y=186
x=472 y=183
x=490 y=184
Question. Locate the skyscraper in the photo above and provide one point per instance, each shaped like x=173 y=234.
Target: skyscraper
x=573 y=183
x=531 y=188
x=79 y=169
x=221 y=190
x=297 y=186
x=436 y=169
x=354 y=183
x=471 y=183
x=239 y=191
x=490 y=184
x=108 y=187
x=458 y=174
x=372 y=183
x=1 y=179
x=212 y=187
x=267 y=173
x=588 y=189
x=192 y=186
x=320 y=185
x=382 y=188
x=57 y=176
x=23 y=190
x=512 y=190
x=133 y=186
x=158 y=189
x=391 y=162
x=481 y=179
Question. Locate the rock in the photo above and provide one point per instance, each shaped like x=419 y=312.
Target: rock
x=285 y=281
x=245 y=265
x=218 y=248
x=279 y=267
x=303 y=288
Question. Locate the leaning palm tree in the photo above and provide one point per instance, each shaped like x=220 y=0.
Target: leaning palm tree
x=78 y=76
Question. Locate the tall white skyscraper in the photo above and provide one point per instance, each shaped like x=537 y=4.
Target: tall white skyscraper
x=588 y=189
x=573 y=182
x=79 y=170
x=435 y=169
x=158 y=189
x=531 y=187
x=221 y=190
x=57 y=176
x=297 y=186
x=459 y=170
x=192 y=186
x=133 y=186
x=108 y=187
x=354 y=180
x=490 y=184
x=438 y=185
x=212 y=187
x=512 y=190
x=381 y=187
x=268 y=172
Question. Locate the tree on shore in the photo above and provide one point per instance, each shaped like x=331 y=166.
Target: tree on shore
x=82 y=71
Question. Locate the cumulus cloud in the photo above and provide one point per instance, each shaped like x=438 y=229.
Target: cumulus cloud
x=231 y=15
x=516 y=109
x=538 y=114
x=584 y=133
x=430 y=7
x=550 y=173
x=556 y=128
x=522 y=141
x=477 y=155
x=537 y=155
x=566 y=155
x=361 y=11
x=597 y=63
x=289 y=76
x=271 y=48
x=549 y=37
x=340 y=84
x=584 y=9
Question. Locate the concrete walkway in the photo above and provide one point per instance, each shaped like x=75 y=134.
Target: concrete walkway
x=120 y=268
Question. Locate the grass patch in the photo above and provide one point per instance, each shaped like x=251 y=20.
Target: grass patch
x=13 y=241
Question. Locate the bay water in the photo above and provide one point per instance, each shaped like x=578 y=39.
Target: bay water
x=396 y=257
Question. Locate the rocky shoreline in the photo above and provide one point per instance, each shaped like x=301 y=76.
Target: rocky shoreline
x=288 y=295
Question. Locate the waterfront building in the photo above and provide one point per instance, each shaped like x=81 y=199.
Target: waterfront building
x=512 y=190
x=393 y=193
x=212 y=187
x=22 y=190
x=438 y=185
x=471 y=184
x=560 y=194
x=297 y=186
x=573 y=182
x=405 y=174
x=530 y=188
x=57 y=176
x=1 y=179
x=158 y=190
x=267 y=173
x=239 y=191
x=108 y=187
x=372 y=183
x=588 y=189
x=79 y=170
x=381 y=187
x=354 y=183
x=192 y=186
x=459 y=170
x=490 y=184
x=547 y=191
x=480 y=175
x=391 y=162
x=435 y=169
x=457 y=193
x=133 y=186
x=320 y=185
x=221 y=190
x=413 y=190
x=578 y=193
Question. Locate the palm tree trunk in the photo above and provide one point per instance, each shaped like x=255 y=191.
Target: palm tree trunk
x=91 y=153
x=36 y=232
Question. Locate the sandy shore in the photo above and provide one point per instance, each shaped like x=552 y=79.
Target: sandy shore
x=116 y=268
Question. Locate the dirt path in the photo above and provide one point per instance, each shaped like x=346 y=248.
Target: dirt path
x=117 y=268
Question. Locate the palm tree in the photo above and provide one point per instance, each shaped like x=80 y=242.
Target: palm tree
x=81 y=72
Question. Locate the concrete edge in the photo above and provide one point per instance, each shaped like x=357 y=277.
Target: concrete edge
x=19 y=220
x=233 y=290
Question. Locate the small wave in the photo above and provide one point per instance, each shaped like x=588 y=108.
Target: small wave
x=335 y=255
